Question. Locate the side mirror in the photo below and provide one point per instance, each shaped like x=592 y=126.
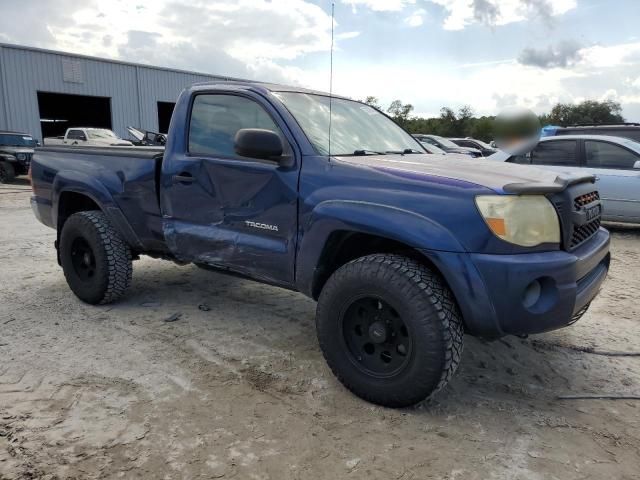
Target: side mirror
x=637 y=165
x=258 y=143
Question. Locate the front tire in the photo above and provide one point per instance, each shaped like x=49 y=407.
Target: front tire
x=389 y=329
x=95 y=259
x=7 y=172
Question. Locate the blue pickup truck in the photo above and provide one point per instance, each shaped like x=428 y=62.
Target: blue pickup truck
x=404 y=251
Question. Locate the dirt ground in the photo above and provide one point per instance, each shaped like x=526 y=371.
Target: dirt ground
x=241 y=391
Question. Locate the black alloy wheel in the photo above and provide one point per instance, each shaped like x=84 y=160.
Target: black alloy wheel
x=376 y=338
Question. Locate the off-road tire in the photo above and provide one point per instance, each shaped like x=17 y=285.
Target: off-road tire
x=111 y=254
x=7 y=172
x=427 y=308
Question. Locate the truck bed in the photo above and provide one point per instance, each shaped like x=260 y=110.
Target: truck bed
x=124 y=176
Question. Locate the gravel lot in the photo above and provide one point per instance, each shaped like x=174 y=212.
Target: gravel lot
x=241 y=391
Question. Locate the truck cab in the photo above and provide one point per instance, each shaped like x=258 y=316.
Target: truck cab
x=405 y=252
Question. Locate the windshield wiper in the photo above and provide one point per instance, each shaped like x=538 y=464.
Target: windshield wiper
x=368 y=152
x=406 y=151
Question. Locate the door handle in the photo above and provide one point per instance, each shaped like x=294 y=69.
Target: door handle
x=184 y=177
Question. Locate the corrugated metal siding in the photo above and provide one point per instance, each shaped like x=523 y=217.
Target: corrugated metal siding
x=161 y=86
x=3 y=92
x=134 y=90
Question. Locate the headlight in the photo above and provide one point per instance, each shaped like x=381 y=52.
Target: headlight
x=21 y=156
x=526 y=220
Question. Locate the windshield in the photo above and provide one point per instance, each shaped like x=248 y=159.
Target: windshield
x=632 y=144
x=444 y=142
x=431 y=148
x=102 y=133
x=17 y=140
x=356 y=128
x=483 y=144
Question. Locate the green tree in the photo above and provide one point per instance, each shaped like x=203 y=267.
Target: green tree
x=589 y=111
x=400 y=112
x=483 y=129
x=372 y=101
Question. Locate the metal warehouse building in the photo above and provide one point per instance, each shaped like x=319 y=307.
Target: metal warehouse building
x=44 y=92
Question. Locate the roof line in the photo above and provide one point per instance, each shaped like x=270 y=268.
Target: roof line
x=119 y=62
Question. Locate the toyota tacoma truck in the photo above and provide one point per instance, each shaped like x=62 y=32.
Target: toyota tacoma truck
x=405 y=252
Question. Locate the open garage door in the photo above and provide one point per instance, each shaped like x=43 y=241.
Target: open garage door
x=59 y=111
x=165 y=110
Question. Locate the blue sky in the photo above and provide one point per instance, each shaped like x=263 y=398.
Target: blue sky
x=431 y=53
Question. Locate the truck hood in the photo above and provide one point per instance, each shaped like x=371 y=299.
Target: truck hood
x=13 y=150
x=110 y=142
x=500 y=177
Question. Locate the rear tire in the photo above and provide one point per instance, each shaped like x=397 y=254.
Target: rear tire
x=95 y=259
x=7 y=172
x=389 y=329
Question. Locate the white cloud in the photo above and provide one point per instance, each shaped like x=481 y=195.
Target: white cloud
x=611 y=56
x=416 y=19
x=254 y=38
x=380 y=5
x=462 y=13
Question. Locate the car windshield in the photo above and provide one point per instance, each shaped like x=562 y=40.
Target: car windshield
x=444 y=142
x=483 y=144
x=102 y=133
x=17 y=140
x=356 y=128
x=429 y=147
x=632 y=144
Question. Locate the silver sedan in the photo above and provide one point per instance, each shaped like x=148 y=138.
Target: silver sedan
x=615 y=161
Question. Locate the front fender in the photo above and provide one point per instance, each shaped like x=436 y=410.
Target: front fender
x=91 y=187
x=404 y=226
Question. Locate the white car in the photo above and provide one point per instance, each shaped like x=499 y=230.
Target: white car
x=88 y=137
x=615 y=161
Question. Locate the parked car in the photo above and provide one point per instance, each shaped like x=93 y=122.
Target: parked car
x=147 y=138
x=626 y=130
x=404 y=251
x=615 y=161
x=485 y=149
x=447 y=145
x=16 y=150
x=433 y=150
x=89 y=137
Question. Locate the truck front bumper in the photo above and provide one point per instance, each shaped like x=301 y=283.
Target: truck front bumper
x=525 y=293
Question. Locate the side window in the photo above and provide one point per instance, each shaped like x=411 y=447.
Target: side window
x=76 y=135
x=521 y=159
x=608 y=155
x=215 y=120
x=558 y=152
x=466 y=143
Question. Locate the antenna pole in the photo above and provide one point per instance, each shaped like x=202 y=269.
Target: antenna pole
x=331 y=76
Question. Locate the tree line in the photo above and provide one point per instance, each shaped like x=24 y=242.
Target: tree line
x=464 y=123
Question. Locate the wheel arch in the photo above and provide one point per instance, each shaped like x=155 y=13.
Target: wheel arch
x=74 y=192
x=337 y=231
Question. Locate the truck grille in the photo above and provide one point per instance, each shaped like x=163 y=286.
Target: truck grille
x=584 y=231
x=585 y=199
x=27 y=161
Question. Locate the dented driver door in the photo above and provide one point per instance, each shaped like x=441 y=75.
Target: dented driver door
x=228 y=211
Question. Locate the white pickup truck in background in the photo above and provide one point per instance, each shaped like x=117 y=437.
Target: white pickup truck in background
x=89 y=137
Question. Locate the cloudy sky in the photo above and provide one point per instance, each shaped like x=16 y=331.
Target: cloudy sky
x=431 y=53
